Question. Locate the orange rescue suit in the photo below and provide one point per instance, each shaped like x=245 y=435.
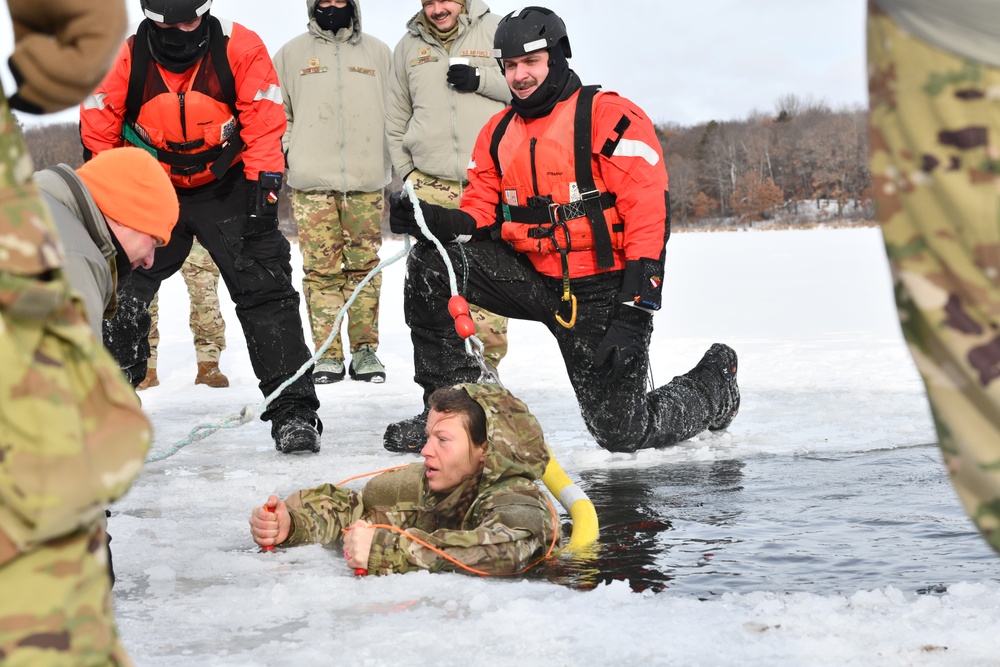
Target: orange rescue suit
x=178 y=109
x=182 y=119
x=537 y=159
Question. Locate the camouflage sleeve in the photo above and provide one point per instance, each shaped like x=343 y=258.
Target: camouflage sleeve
x=514 y=530
x=320 y=514
x=72 y=434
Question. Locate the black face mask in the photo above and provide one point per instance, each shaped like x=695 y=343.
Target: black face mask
x=175 y=49
x=333 y=18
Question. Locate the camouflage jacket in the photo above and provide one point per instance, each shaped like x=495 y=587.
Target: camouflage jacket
x=72 y=435
x=508 y=526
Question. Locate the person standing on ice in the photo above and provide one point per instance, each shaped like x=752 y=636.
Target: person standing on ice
x=444 y=86
x=568 y=228
x=333 y=81
x=474 y=501
x=201 y=94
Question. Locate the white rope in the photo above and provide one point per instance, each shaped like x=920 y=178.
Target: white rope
x=472 y=344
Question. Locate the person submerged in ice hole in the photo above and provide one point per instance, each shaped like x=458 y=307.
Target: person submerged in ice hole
x=475 y=497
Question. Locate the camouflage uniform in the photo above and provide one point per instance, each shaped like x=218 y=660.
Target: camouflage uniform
x=201 y=276
x=72 y=439
x=340 y=236
x=506 y=528
x=490 y=328
x=935 y=141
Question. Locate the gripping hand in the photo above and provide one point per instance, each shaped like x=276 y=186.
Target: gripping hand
x=447 y=224
x=624 y=343
x=464 y=78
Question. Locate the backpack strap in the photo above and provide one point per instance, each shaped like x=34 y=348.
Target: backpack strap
x=86 y=204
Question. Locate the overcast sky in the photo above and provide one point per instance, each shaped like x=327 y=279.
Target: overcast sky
x=683 y=61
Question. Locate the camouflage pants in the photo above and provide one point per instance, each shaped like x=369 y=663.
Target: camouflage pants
x=935 y=162
x=56 y=606
x=490 y=328
x=340 y=235
x=201 y=276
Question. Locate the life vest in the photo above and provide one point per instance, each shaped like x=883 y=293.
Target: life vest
x=193 y=132
x=551 y=198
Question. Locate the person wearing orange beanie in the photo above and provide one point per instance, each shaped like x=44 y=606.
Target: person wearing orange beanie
x=131 y=188
x=111 y=213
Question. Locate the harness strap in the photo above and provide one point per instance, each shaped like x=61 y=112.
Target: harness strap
x=501 y=130
x=583 y=149
x=537 y=215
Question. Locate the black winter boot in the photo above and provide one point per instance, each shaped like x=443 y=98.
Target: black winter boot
x=408 y=435
x=722 y=359
x=297 y=432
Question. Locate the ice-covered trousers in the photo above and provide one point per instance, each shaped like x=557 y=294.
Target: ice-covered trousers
x=935 y=129
x=621 y=415
x=257 y=271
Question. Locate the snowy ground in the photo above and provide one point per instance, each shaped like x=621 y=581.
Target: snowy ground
x=823 y=371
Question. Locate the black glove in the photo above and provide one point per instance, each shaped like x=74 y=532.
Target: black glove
x=624 y=342
x=262 y=204
x=447 y=224
x=642 y=284
x=464 y=78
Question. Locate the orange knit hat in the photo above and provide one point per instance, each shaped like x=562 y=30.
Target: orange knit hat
x=131 y=188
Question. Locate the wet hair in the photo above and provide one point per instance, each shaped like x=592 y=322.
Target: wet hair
x=452 y=400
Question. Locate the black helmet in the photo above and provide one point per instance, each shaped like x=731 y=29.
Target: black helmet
x=174 y=11
x=529 y=29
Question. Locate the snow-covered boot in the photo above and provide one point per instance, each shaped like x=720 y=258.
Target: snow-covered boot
x=365 y=366
x=721 y=359
x=409 y=435
x=297 y=432
x=209 y=374
x=328 y=371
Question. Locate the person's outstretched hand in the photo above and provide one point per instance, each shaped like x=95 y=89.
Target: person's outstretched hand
x=270 y=528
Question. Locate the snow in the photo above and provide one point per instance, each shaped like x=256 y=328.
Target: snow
x=823 y=371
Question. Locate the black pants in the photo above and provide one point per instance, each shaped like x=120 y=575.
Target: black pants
x=257 y=270
x=621 y=415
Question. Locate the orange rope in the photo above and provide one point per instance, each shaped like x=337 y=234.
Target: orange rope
x=555 y=538
x=369 y=474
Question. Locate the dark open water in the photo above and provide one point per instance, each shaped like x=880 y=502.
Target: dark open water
x=820 y=524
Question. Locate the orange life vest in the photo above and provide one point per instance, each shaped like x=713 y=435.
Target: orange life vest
x=548 y=205
x=193 y=132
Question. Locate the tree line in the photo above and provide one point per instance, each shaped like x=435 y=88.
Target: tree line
x=806 y=162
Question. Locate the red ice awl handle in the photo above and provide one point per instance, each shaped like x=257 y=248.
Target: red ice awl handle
x=459 y=309
x=360 y=572
x=270 y=547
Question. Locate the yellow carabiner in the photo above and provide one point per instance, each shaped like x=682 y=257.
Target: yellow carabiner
x=572 y=319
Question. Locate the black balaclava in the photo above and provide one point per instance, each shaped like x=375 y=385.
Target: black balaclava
x=333 y=18
x=559 y=85
x=175 y=49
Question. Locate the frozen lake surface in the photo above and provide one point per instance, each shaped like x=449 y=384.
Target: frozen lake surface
x=820 y=529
